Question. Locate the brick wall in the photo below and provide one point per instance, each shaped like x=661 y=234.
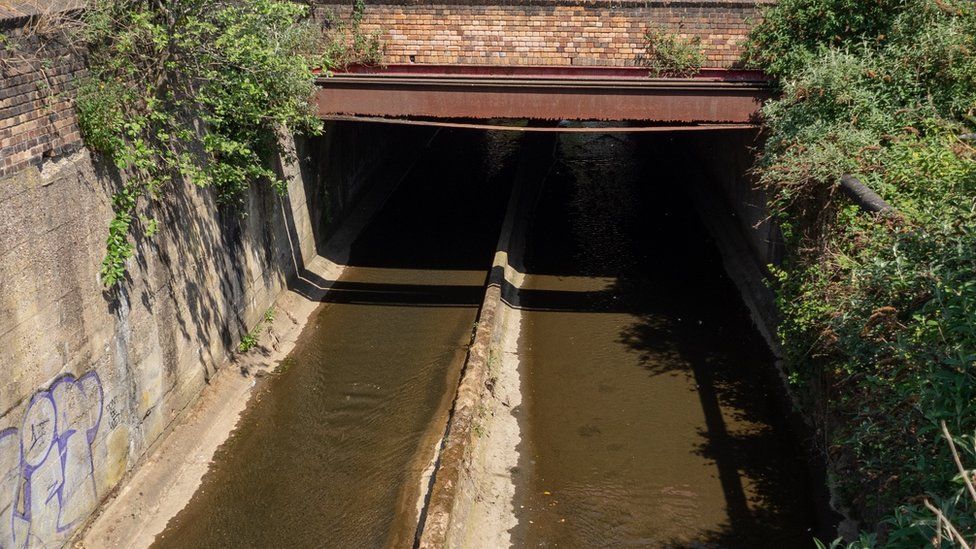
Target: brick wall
x=548 y=32
x=37 y=119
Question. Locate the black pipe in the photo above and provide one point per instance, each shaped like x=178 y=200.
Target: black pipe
x=863 y=196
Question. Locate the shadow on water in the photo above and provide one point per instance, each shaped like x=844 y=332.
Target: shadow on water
x=651 y=413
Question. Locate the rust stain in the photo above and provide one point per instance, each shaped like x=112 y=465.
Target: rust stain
x=714 y=96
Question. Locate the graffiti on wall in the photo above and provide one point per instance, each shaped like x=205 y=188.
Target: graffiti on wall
x=47 y=481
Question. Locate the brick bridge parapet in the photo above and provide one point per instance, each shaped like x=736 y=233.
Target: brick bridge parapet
x=548 y=32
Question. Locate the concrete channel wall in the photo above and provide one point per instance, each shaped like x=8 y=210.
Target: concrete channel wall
x=93 y=378
x=735 y=212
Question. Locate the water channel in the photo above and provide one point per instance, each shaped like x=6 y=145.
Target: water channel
x=648 y=416
x=332 y=453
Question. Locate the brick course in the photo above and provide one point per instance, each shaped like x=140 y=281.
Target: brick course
x=37 y=118
x=548 y=32
x=37 y=115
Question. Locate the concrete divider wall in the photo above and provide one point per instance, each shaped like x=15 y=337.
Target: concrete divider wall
x=455 y=492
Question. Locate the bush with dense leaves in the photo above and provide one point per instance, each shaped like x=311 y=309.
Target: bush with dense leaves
x=192 y=89
x=879 y=310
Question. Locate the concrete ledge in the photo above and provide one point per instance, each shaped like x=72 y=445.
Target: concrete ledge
x=443 y=514
x=454 y=487
x=163 y=484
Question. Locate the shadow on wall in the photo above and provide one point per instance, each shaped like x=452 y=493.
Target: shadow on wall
x=148 y=347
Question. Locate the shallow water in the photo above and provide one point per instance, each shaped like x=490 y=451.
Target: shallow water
x=331 y=452
x=649 y=417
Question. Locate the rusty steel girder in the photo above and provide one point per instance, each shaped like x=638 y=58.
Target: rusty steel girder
x=715 y=97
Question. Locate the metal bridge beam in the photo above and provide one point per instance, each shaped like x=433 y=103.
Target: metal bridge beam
x=714 y=97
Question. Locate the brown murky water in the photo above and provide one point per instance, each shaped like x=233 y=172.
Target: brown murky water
x=331 y=454
x=649 y=418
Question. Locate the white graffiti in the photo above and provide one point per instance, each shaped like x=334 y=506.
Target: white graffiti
x=47 y=481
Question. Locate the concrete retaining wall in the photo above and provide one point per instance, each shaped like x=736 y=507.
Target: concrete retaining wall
x=350 y=157
x=735 y=212
x=94 y=377
x=727 y=160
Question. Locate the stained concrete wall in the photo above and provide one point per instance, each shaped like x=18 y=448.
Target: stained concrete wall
x=726 y=160
x=353 y=157
x=93 y=377
x=718 y=169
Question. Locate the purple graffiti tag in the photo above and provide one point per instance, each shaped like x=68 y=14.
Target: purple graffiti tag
x=77 y=424
x=51 y=476
x=9 y=475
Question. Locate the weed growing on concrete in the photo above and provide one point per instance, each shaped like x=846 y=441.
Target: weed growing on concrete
x=492 y=380
x=250 y=340
x=285 y=365
x=478 y=425
x=669 y=54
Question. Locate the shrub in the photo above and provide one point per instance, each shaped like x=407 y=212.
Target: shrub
x=348 y=44
x=667 y=54
x=879 y=312
x=192 y=89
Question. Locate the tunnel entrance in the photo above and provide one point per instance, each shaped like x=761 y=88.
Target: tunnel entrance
x=648 y=415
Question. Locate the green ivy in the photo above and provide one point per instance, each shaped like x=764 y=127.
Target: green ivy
x=195 y=90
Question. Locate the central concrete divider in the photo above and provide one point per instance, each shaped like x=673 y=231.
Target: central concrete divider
x=456 y=485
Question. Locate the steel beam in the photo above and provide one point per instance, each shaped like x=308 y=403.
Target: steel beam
x=553 y=93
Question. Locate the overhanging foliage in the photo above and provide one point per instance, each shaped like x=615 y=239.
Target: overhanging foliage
x=195 y=90
x=880 y=311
